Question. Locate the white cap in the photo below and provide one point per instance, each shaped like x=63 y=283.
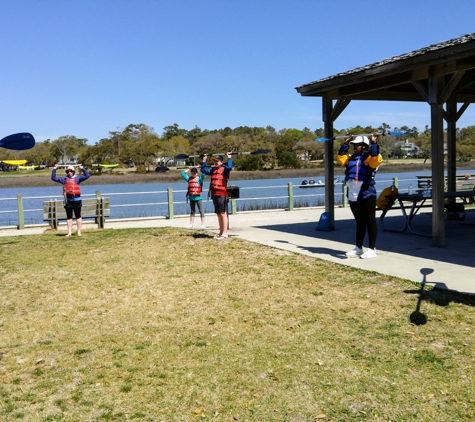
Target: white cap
x=360 y=140
x=71 y=168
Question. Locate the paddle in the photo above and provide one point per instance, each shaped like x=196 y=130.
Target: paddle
x=366 y=134
x=18 y=141
x=257 y=152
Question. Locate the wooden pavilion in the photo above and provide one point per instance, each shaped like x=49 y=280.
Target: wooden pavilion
x=443 y=75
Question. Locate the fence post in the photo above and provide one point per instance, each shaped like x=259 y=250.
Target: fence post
x=291 y=196
x=21 y=217
x=344 y=189
x=233 y=206
x=170 y=203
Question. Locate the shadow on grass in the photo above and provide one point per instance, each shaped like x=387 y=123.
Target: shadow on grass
x=438 y=295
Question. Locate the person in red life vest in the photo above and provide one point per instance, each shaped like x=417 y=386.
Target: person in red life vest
x=72 y=195
x=195 y=186
x=361 y=167
x=219 y=181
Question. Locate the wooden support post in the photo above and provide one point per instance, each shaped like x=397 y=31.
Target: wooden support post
x=437 y=154
x=451 y=143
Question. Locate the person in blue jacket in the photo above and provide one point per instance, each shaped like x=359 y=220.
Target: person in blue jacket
x=361 y=167
x=195 y=187
x=72 y=195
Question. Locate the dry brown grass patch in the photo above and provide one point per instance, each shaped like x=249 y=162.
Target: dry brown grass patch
x=165 y=324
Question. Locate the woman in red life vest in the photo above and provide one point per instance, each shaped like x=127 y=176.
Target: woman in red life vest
x=195 y=185
x=219 y=181
x=72 y=195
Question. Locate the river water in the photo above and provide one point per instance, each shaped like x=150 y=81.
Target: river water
x=150 y=199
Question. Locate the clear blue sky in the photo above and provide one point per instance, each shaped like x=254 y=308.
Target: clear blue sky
x=87 y=67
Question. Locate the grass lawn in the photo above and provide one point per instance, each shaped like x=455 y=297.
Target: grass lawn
x=170 y=325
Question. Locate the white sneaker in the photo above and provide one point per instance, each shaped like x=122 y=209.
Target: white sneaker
x=355 y=252
x=370 y=253
x=189 y=227
x=204 y=228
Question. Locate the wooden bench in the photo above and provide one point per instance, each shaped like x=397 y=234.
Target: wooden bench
x=97 y=208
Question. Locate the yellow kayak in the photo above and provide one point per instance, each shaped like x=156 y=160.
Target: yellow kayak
x=108 y=165
x=14 y=162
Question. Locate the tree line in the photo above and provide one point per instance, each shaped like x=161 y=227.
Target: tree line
x=290 y=148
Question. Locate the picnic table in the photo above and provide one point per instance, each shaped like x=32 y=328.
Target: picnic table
x=411 y=204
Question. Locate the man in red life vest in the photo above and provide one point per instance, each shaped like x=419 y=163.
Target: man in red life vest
x=72 y=195
x=219 y=181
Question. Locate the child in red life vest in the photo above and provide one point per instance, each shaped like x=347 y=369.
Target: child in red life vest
x=72 y=195
x=195 y=186
x=219 y=181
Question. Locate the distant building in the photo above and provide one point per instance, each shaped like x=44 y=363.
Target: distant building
x=408 y=149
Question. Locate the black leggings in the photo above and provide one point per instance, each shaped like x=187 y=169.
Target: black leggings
x=364 y=212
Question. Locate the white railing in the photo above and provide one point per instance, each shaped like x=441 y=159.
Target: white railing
x=163 y=203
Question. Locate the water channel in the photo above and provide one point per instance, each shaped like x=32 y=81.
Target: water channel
x=151 y=199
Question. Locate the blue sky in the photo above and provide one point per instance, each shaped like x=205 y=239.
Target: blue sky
x=87 y=67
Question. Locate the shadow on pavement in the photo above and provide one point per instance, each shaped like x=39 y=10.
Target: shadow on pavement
x=460 y=240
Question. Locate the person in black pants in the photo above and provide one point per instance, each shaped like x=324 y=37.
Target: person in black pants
x=361 y=167
x=72 y=195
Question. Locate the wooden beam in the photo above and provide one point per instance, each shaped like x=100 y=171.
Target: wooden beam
x=340 y=105
x=461 y=111
x=449 y=88
x=421 y=89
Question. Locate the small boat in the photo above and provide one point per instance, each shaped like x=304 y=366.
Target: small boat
x=312 y=184
x=108 y=166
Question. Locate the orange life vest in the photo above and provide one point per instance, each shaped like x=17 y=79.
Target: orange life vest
x=218 y=182
x=71 y=188
x=194 y=188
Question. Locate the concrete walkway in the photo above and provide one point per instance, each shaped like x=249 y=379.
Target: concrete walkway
x=399 y=254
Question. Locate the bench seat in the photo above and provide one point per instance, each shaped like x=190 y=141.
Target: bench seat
x=97 y=208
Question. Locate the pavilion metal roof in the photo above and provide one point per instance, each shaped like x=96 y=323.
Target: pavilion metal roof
x=404 y=77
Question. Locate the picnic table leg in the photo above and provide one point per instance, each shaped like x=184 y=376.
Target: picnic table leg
x=414 y=210
x=386 y=229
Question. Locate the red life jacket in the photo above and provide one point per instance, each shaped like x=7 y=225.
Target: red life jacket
x=194 y=188
x=218 y=182
x=71 y=187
